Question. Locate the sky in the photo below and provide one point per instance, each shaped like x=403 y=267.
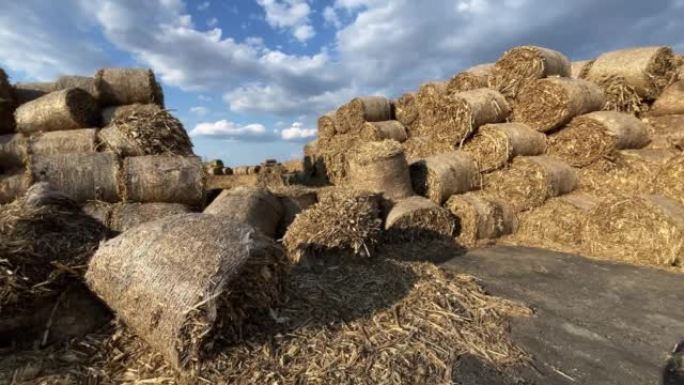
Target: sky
x=248 y=78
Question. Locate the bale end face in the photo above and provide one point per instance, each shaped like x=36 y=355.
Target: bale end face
x=417 y=218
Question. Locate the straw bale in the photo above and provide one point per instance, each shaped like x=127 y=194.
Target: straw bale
x=119 y=86
x=98 y=210
x=620 y=95
x=669 y=180
x=548 y=104
x=406 y=112
x=85 y=83
x=201 y=276
x=294 y=199
x=667 y=131
x=227 y=171
x=519 y=65
x=124 y=216
x=13 y=151
x=580 y=69
x=7 y=122
x=111 y=113
x=333 y=154
x=163 y=178
x=597 y=135
x=64 y=142
x=12 y=186
x=60 y=110
x=240 y=170
x=417 y=218
x=380 y=167
x=494 y=145
x=351 y=116
x=671 y=101
x=440 y=176
x=255 y=206
x=390 y=129
x=428 y=101
x=28 y=91
x=253 y=169
x=326 y=125
x=419 y=147
x=475 y=77
x=480 y=219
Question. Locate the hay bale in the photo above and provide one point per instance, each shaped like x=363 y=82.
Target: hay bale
x=60 y=110
x=64 y=142
x=668 y=180
x=494 y=145
x=667 y=131
x=440 y=176
x=416 y=218
x=12 y=186
x=124 y=216
x=480 y=219
x=294 y=200
x=241 y=170
x=81 y=177
x=671 y=101
x=380 y=167
x=98 y=210
x=227 y=171
x=519 y=65
x=548 y=104
x=326 y=125
x=428 y=101
x=419 y=147
x=475 y=77
x=620 y=95
x=593 y=136
x=251 y=170
x=390 y=129
x=530 y=181
x=13 y=151
x=648 y=69
x=28 y=91
x=180 y=299
x=406 y=112
x=255 y=206
x=163 y=178
x=645 y=230
x=119 y=86
x=351 y=116
x=111 y=113
x=333 y=155
x=85 y=83
x=580 y=69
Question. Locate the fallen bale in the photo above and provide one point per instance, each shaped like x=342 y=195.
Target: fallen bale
x=380 y=167
x=122 y=216
x=64 y=142
x=580 y=69
x=163 y=178
x=596 y=135
x=254 y=206
x=351 y=116
x=427 y=102
x=60 y=110
x=406 y=112
x=668 y=180
x=12 y=186
x=85 y=83
x=440 y=176
x=620 y=95
x=119 y=86
x=494 y=145
x=390 y=129
x=28 y=91
x=180 y=299
x=519 y=65
x=111 y=113
x=326 y=125
x=480 y=219
x=671 y=101
x=475 y=77
x=13 y=151
x=294 y=199
x=417 y=218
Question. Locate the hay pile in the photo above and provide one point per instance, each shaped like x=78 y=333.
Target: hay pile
x=380 y=167
x=667 y=131
x=620 y=95
x=406 y=112
x=254 y=206
x=60 y=110
x=418 y=218
x=580 y=69
x=481 y=219
x=668 y=180
x=326 y=125
x=427 y=101
x=390 y=129
x=475 y=77
x=121 y=86
x=520 y=65
x=440 y=176
x=495 y=145
x=351 y=116
x=671 y=101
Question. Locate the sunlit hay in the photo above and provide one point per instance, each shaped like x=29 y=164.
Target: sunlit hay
x=419 y=147
x=63 y=142
x=333 y=155
x=494 y=145
x=475 y=77
x=60 y=110
x=480 y=219
x=406 y=112
x=439 y=176
x=671 y=101
x=255 y=206
x=427 y=102
x=669 y=179
x=620 y=95
x=351 y=116
x=667 y=131
x=390 y=129
x=380 y=167
x=163 y=178
x=326 y=125
x=418 y=218
x=580 y=69
x=121 y=86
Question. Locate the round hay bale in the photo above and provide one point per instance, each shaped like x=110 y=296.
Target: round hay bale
x=593 y=136
x=671 y=101
x=333 y=154
x=85 y=83
x=668 y=180
x=81 y=177
x=326 y=125
x=163 y=178
x=64 y=142
x=252 y=170
x=13 y=186
x=254 y=206
x=519 y=65
x=406 y=112
x=227 y=171
x=60 y=110
x=13 y=151
x=351 y=116
x=390 y=129
x=380 y=167
x=417 y=218
x=241 y=170
x=620 y=95
x=530 y=181
x=111 y=113
x=180 y=299
x=648 y=69
x=428 y=101
x=580 y=69
x=294 y=200
x=419 y=147
x=126 y=216
x=480 y=219
x=119 y=86
x=494 y=145
x=98 y=210
x=28 y=91
x=547 y=104
x=475 y=77
x=440 y=176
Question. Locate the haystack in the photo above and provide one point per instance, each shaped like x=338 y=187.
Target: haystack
x=64 y=142
x=254 y=206
x=28 y=91
x=163 y=178
x=580 y=69
x=671 y=101
x=427 y=102
x=390 y=129
x=494 y=145
x=380 y=167
x=13 y=151
x=620 y=95
x=333 y=155
x=475 y=77
x=417 y=218
x=181 y=281
x=351 y=116
x=60 y=110
x=12 y=186
x=326 y=125
x=120 y=217
x=406 y=112
x=440 y=176
x=520 y=65
x=480 y=219
x=669 y=180
x=119 y=86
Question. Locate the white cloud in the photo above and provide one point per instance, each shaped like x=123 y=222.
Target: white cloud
x=289 y=14
x=213 y=22
x=304 y=33
x=296 y=132
x=331 y=18
x=233 y=131
x=199 y=110
x=203 y=6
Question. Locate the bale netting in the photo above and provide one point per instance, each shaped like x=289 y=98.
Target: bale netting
x=351 y=116
x=390 y=129
x=596 y=135
x=13 y=151
x=64 y=142
x=494 y=145
x=380 y=167
x=671 y=101
x=416 y=218
x=645 y=230
x=427 y=101
x=163 y=178
x=85 y=83
x=254 y=206
x=12 y=186
x=406 y=112
x=480 y=219
x=620 y=95
x=648 y=69
x=60 y=110
x=475 y=77
x=326 y=125
x=530 y=181
x=81 y=177
x=669 y=179
x=548 y=104
x=119 y=86
x=519 y=65
x=109 y=114
x=580 y=69
x=440 y=176
x=182 y=281
x=120 y=217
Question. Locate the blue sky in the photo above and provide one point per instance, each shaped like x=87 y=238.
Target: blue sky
x=248 y=78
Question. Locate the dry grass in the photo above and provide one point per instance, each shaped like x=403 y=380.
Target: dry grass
x=620 y=95
x=669 y=179
x=519 y=65
x=480 y=218
x=494 y=145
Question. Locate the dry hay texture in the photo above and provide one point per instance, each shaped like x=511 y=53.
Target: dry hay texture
x=85 y=83
x=13 y=186
x=294 y=199
x=580 y=69
x=111 y=113
x=548 y=104
x=480 y=219
x=440 y=176
x=419 y=147
x=82 y=141
x=597 y=135
x=255 y=206
x=669 y=180
x=494 y=145
x=667 y=131
x=671 y=101
x=120 y=86
x=351 y=116
x=163 y=178
x=390 y=129
x=380 y=167
x=120 y=217
x=620 y=95
x=520 y=65
x=60 y=110
x=427 y=101
x=13 y=151
x=326 y=125
x=475 y=77
x=418 y=218
x=406 y=112
x=333 y=155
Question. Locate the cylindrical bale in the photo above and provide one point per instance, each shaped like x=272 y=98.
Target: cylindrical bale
x=25 y=91
x=668 y=180
x=163 y=178
x=671 y=101
x=619 y=94
x=241 y=170
x=593 y=136
x=255 y=206
x=13 y=186
x=64 y=142
x=333 y=154
x=119 y=86
x=440 y=176
x=351 y=116
x=294 y=200
x=494 y=145
x=420 y=147
x=547 y=104
x=111 y=113
x=13 y=151
x=406 y=112
x=326 y=125
x=519 y=65
x=428 y=102
x=580 y=69
x=227 y=171
x=60 y=110
x=98 y=210
x=647 y=69
x=125 y=216
x=416 y=218
x=480 y=219
x=475 y=77
x=181 y=281
x=381 y=167
x=251 y=170
x=390 y=129
x=86 y=83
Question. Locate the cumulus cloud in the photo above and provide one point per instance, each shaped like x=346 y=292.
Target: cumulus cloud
x=199 y=110
x=330 y=17
x=230 y=130
x=289 y=14
x=297 y=133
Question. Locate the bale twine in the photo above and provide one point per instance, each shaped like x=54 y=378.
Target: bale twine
x=182 y=281
x=668 y=180
x=111 y=113
x=667 y=131
x=254 y=206
x=12 y=186
x=494 y=145
x=81 y=177
x=428 y=101
x=13 y=151
x=85 y=83
x=390 y=129
x=26 y=92
x=671 y=101
x=406 y=112
x=620 y=95
x=547 y=104
x=475 y=77
x=593 y=136
x=60 y=110
x=530 y=181
x=326 y=125
x=119 y=86
x=163 y=178
x=519 y=65
x=648 y=69
x=440 y=176
x=480 y=219
x=294 y=199
x=380 y=167
x=64 y=142
x=351 y=116
x=646 y=230
x=580 y=69
x=417 y=218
